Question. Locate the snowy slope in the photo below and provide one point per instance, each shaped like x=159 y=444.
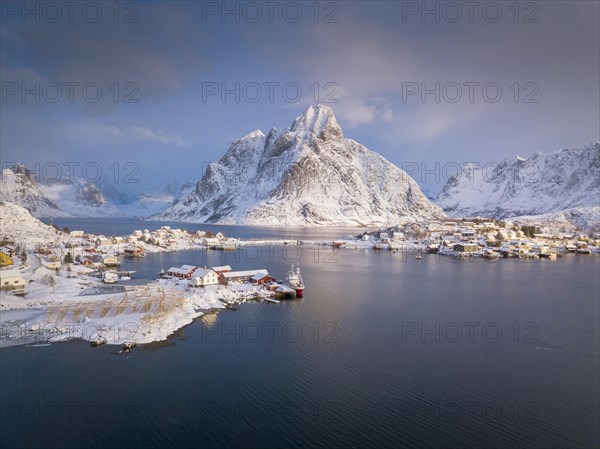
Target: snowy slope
x=78 y=198
x=18 y=186
x=20 y=227
x=307 y=175
x=543 y=184
x=153 y=201
x=582 y=218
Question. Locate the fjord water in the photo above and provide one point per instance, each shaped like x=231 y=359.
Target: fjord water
x=371 y=357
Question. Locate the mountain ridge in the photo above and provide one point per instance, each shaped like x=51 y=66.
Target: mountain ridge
x=305 y=175
x=543 y=184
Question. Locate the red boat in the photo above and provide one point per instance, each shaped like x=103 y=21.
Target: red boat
x=294 y=280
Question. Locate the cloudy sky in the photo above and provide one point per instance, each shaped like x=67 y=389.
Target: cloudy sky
x=168 y=85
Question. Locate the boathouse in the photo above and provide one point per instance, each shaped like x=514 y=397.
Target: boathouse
x=240 y=276
x=466 y=247
x=184 y=272
x=261 y=278
x=222 y=269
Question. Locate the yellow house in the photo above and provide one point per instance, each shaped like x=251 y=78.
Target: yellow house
x=5 y=259
x=54 y=265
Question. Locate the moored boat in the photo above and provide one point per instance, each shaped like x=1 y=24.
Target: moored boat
x=582 y=248
x=294 y=281
x=128 y=346
x=97 y=342
x=491 y=254
x=110 y=277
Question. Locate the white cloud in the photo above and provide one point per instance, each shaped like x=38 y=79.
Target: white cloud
x=353 y=113
x=145 y=134
x=100 y=132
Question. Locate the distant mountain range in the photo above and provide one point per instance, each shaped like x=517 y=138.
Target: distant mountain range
x=305 y=175
x=310 y=175
x=565 y=183
x=76 y=197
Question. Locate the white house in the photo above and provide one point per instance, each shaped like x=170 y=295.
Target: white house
x=205 y=277
x=102 y=240
x=11 y=279
x=209 y=241
x=76 y=233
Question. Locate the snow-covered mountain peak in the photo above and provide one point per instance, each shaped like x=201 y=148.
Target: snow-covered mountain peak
x=317 y=120
x=254 y=135
x=306 y=175
x=20 y=169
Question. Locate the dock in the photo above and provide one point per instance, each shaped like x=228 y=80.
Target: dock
x=285 y=292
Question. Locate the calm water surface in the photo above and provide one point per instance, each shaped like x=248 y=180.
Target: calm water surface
x=378 y=354
x=124 y=226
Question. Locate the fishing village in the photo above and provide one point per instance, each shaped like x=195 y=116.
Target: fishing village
x=74 y=287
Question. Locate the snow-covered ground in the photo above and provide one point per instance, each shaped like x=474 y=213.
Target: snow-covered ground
x=73 y=305
x=18 y=225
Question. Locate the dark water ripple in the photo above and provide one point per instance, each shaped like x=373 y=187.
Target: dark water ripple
x=358 y=382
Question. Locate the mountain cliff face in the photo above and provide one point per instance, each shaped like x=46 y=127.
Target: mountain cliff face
x=18 y=186
x=307 y=175
x=543 y=184
x=89 y=195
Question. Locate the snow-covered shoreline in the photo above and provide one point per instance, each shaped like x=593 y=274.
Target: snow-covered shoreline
x=78 y=306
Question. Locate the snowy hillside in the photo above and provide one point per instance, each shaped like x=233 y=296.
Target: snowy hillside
x=543 y=184
x=19 y=187
x=19 y=226
x=581 y=218
x=307 y=175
